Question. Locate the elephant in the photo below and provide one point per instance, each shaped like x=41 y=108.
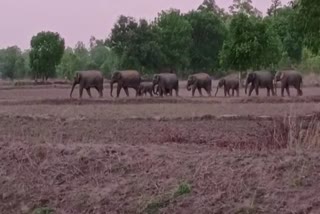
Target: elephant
x=228 y=83
x=199 y=81
x=125 y=79
x=156 y=90
x=289 y=78
x=166 y=82
x=146 y=87
x=260 y=79
x=86 y=80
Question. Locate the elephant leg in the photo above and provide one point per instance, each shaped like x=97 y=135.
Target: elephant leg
x=126 y=91
x=288 y=91
x=80 y=91
x=225 y=91
x=299 y=91
x=193 y=90
x=251 y=89
x=238 y=94
x=100 y=91
x=89 y=93
x=118 y=90
x=257 y=89
x=150 y=93
x=268 y=91
x=233 y=92
x=200 y=92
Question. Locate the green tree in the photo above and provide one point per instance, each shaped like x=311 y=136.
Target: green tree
x=284 y=23
x=70 y=63
x=211 y=6
x=175 y=39
x=275 y=5
x=46 y=52
x=12 y=62
x=309 y=19
x=208 y=34
x=244 y=6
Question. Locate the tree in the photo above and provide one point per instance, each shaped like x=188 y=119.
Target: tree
x=12 y=62
x=208 y=35
x=309 y=19
x=251 y=44
x=210 y=5
x=244 y=6
x=276 y=4
x=46 y=52
x=70 y=63
x=284 y=23
x=174 y=35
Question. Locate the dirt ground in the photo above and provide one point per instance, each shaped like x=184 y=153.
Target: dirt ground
x=158 y=155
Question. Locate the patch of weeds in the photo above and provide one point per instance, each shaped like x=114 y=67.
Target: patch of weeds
x=247 y=210
x=155 y=206
x=183 y=189
x=43 y=210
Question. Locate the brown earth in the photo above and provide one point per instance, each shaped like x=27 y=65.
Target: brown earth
x=160 y=155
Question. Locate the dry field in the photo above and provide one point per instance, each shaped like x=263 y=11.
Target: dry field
x=158 y=155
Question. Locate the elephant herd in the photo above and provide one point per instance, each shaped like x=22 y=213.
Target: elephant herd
x=166 y=83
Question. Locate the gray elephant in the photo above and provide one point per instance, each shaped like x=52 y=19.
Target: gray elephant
x=146 y=87
x=228 y=84
x=166 y=82
x=125 y=79
x=87 y=80
x=199 y=81
x=156 y=90
x=260 y=79
x=287 y=79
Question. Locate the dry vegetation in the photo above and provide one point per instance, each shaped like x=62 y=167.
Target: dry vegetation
x=169 y=155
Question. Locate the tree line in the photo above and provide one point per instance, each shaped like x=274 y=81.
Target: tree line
x=207 y=38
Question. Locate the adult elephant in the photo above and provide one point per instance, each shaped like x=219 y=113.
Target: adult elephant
x=260 y=79
x=86 y=80
x=199 y=81
x=289 y=78
x=228 y=84
x=166 y=82
x=125 y=79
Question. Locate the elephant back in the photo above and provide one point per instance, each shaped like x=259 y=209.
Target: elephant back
x=168 y=79
x=131 y=77
x=265 y=77
x=91 y=77
x=202 y=78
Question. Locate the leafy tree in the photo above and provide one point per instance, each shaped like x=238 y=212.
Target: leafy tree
x=70 y=63
x=211 y=5
x=284 y=23
x=83 y=56
x=309 y=19
x=276 y=4
x=175 y=39
x=46 y=52
x=12 y=62
x=244 y=6
x=208 y=35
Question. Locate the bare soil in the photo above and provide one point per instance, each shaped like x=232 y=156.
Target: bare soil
x=158 y=155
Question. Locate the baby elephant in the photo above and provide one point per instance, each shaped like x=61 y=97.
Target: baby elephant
x=228 y=83
x=199 y=81
x=144 y=88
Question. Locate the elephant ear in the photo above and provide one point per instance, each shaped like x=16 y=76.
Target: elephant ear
x=156 y=78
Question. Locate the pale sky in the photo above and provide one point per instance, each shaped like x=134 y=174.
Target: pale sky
x=78 y=20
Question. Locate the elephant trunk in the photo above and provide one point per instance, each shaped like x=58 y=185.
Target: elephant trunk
x=188 y=87
x=111 y=88
x=217 y=91
x=74 y=84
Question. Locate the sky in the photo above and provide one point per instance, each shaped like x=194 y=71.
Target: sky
x=78 y=20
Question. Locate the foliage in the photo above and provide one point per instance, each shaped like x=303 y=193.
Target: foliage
x=208 y=34
x=175 y=39
x=12 y=63
x=207 y=39
x=46 y=52
x=309 y=19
